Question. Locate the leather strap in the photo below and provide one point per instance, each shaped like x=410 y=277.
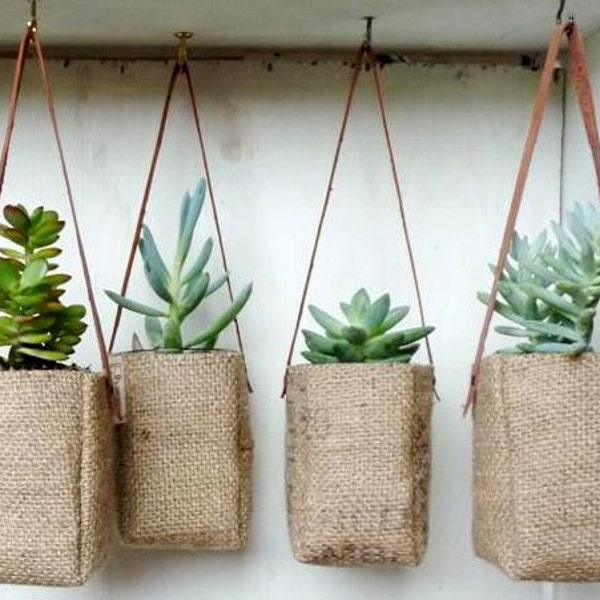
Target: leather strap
x=581 y=79
x=31 y=38
x=180 y=68
x=365 y=56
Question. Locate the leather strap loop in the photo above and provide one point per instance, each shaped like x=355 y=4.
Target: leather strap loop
x=31 y=38
x=365 y=56
x=583 y=87
x=180 y=68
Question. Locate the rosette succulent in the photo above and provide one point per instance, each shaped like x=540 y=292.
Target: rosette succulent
x=550 y=290
x=36 y=326
x=367 y=335
x=182 y=290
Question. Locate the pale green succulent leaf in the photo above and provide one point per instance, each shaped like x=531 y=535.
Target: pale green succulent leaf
x=154 y=331
x=190 y=212
x=201 y=262
x=227 y=317
x=134 y=306
x=154 y=266
x=318 y=358
x=331 y=325
x=376 y=314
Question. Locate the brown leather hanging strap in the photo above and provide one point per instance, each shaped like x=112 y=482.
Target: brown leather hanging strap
x=143 y=206
x=180 y=68
x=583 y=88
x=411 y=256
x=365 y=56
x=31 y=38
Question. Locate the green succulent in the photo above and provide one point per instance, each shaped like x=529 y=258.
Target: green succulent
x=366 y=337
x=551 y=290
x=181 y=291
x=37 y=327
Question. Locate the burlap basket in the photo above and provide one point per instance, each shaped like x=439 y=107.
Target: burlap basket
x=537 y=466
x=185 y=451
x=56 y=487
x=358 y=461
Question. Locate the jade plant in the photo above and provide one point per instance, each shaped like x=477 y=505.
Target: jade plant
x=38 y=328
x=550 y=290
x=182 y=290
x=366 y=337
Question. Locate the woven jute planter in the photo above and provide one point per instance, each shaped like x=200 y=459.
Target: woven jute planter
x=185 y=451
x=357 y=463
x=56 y=476
x=537 y=466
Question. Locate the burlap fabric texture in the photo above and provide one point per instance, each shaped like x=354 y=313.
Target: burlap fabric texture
x=57 y=480
x=185 y=451
x=358 y=462
x=537 y=466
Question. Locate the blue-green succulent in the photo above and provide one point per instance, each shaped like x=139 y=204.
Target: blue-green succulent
x=183 y=290
x=367 y=335
x=550 y=290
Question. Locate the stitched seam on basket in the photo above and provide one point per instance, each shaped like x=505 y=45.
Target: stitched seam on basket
x=512 y=558
x=78 y=518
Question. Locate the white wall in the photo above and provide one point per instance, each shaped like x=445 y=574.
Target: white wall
x=271 y=134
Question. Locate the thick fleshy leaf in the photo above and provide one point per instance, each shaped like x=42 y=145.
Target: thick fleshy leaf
x=355 y=335
x=33 y=274
x=154 y=331
x=318 y=358
x=194 y=294
x=17 y=217
x=134 y=306
x=14 y=235
x=9 y=275
x=331 y=325
x=360 y=303
x=190 y=211
x=201 y=261
x=216 y=284
x=154 y=266
x=376 y=314
x=49 y=355
x=318 y=343
x=224 y=319
x=393 y=318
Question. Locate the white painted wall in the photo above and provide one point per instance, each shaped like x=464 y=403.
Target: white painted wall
x=271 y=134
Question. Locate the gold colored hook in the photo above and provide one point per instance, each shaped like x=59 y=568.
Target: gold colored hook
x=183 y=37
x=368 y=30
x=32 y=23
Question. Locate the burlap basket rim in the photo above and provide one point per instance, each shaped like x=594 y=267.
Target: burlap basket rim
x=540 y=357
x=187 y=353
x=40 y=373
x=359 y=365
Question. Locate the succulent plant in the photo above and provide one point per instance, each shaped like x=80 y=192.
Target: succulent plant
x=182 y=292
x=38 y=328
x=551 y=290
x=366 y=337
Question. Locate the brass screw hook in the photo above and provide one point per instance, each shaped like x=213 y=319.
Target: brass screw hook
x=183 y=37
x=32 y=23
x=369 y=30
x=559 y=14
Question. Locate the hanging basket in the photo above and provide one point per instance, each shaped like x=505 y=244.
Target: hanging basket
x=57 y=483
x=536 y=424
x=56 y=435
x=357 y=465
x=185 y=451
x=357 y=442
x=185 y=448
x=536 y=442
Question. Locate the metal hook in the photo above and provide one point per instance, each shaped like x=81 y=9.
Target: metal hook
x=32 y=23
x=369 y=30
x=183 y=37
x=561 y=9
